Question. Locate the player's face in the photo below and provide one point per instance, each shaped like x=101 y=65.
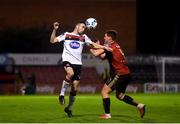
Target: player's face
x=81 y=28
x=107 y=38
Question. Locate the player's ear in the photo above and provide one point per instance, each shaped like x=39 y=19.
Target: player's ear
x=77 y=25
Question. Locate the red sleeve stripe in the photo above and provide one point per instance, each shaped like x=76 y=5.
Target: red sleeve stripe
x=73 y=37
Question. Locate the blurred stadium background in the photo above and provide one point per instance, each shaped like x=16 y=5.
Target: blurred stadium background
x=149 y=34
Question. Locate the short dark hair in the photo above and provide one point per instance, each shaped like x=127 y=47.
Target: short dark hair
x=112 y=34
x=83 y=22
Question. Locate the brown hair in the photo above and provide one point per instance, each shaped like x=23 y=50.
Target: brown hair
x=83 y=22
x=112 y=34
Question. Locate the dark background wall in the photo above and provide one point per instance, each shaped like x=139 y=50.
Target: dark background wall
x=144 y=26
x=23 y=20
x=158 y=27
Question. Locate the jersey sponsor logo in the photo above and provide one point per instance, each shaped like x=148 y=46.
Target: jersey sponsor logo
x=74 y=45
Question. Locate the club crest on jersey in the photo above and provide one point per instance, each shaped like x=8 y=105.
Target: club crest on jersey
x=74 y=45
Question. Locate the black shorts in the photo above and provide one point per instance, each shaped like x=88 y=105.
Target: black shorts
x=76 y=69
x=119 y=82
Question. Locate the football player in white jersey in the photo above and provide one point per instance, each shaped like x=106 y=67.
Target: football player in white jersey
x=71 y=58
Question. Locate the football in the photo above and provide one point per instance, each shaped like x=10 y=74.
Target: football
x=91 y=23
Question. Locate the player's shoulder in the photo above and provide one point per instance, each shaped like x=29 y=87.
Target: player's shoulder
x=70 y=34
x=111 y=45
x=63 y=33
x=66 y=33
x=115 y=44
x=84 y=35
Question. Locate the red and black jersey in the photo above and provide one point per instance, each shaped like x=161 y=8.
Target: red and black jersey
x=116 y=59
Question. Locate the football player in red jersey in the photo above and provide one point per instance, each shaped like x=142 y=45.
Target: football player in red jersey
x=119 y=74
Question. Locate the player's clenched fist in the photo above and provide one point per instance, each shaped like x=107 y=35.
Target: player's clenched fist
x=56 y=25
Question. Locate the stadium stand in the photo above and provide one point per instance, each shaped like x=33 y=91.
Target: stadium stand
x=143 y=73
x=53 y=76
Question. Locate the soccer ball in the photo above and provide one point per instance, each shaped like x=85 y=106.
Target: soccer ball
x=91 y=23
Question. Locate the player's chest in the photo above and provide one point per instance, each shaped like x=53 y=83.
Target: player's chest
x=74 y=44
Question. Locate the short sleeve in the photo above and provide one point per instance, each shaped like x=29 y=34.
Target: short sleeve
x=87 y=40
x=61 y=37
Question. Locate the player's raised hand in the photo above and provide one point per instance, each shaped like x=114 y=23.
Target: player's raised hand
x=56 y=25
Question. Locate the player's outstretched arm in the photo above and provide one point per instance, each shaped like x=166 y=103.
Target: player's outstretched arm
x=53 y=38
x=97 y=52
x=98 y=46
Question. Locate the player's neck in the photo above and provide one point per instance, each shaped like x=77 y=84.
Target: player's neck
x=109 y=42
x=75 y=32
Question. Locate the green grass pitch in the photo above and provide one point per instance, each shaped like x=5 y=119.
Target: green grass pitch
x=163 y=108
